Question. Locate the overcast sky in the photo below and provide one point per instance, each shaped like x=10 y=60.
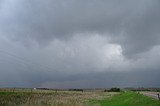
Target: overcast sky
x=79 y=43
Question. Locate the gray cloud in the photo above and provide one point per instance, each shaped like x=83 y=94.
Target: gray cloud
x=127 y=21
x=142 y=28
x=46 y=43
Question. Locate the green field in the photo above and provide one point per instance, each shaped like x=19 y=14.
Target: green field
x=127 y=99
x=26 y=97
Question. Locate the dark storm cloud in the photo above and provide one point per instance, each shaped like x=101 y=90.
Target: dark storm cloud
x=142 y=28
x=58 y=42
x=134 y=24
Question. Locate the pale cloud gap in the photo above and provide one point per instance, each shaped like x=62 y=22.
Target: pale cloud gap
x=80 y=53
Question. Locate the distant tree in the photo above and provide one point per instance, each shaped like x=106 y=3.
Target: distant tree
x=105 y=90
x=76 y=90
x=114 y=90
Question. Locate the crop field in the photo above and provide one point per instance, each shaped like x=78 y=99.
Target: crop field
x=28 y=97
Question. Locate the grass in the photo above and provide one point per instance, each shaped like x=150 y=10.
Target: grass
x=26 y=97
x=127 y=99
x=13 y=98
x=50 y=98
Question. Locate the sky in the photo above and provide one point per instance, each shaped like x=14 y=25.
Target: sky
x=79 y=43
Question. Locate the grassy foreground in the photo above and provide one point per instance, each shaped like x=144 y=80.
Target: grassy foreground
x=50 y=98
x=72 y=98
x=127 y=99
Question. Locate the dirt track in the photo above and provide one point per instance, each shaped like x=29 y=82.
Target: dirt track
x=151 y=94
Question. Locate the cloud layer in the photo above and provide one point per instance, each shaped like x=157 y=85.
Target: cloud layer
x=44 y=43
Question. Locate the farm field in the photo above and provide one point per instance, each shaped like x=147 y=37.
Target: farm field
x=50 y=97
x=28 y=97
